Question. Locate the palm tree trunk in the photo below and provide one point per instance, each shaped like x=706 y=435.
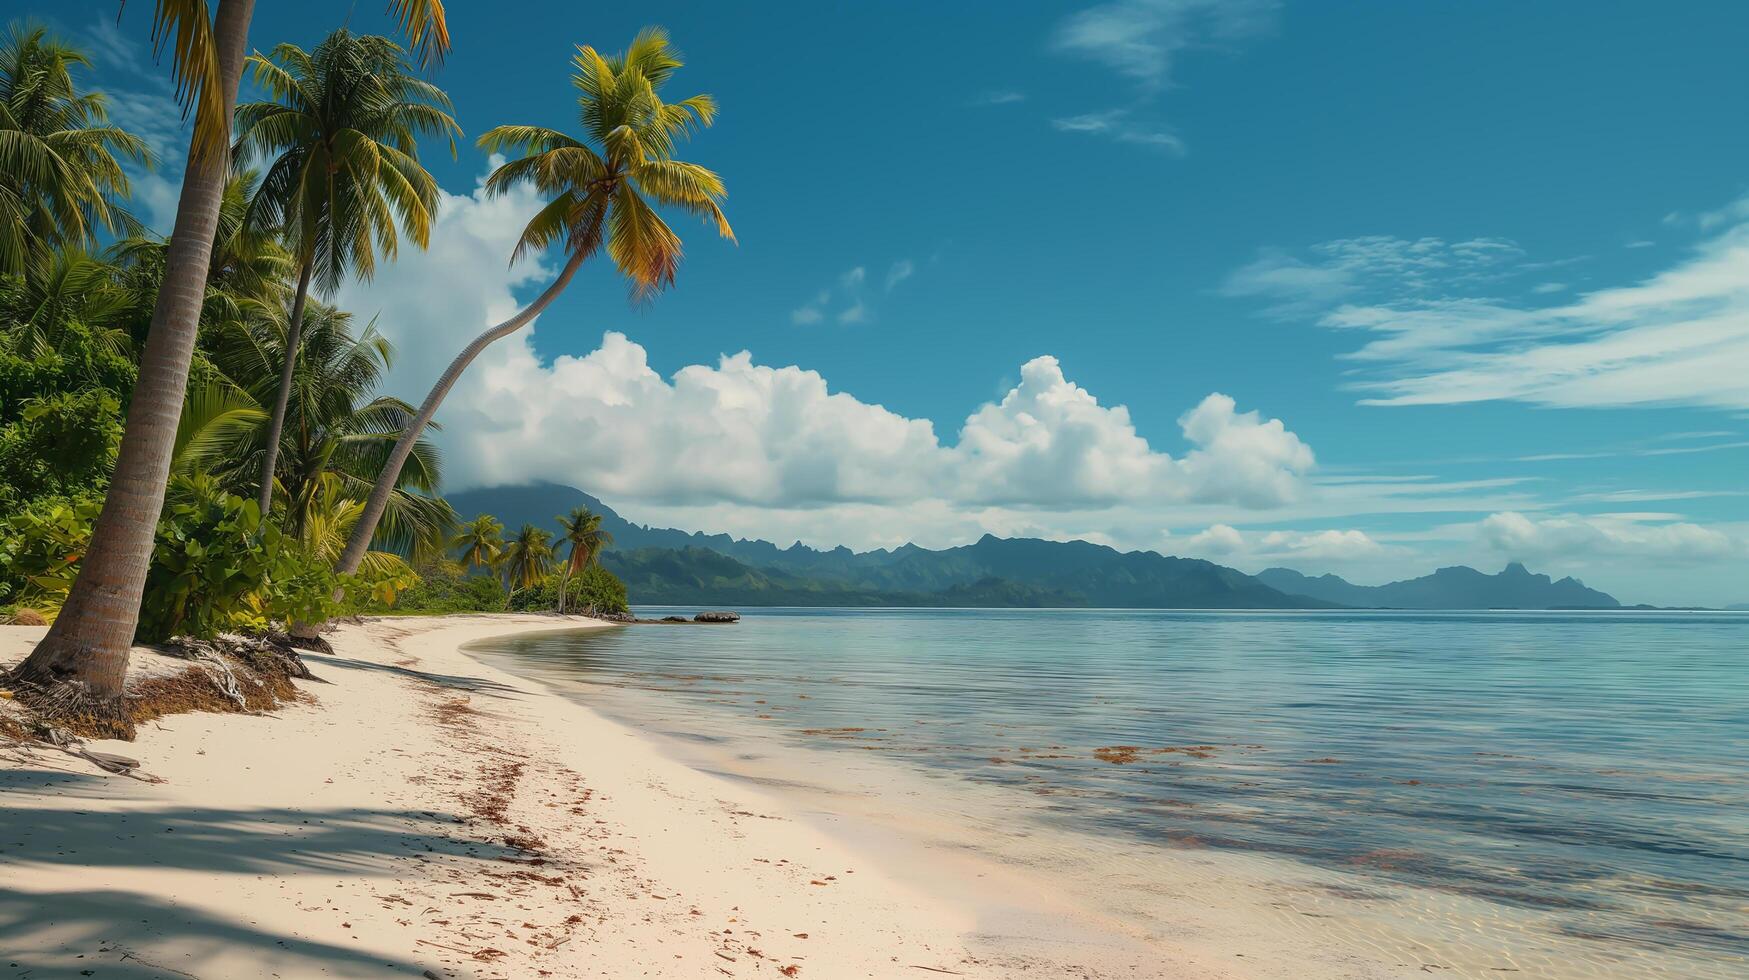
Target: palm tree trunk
x=76 y=672
x=293 y=332
x=564 y=583
x=366 y=527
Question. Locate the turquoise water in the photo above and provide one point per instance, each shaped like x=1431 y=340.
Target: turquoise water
x=1588 y=770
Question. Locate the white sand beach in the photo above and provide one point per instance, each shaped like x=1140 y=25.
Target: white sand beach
x=421 y=813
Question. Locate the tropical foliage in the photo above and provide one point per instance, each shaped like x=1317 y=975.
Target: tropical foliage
x=528 y=558
x=595 y=591
x=581 y=532
x=604 y=190
x=77 y=670
x=342 y=132
x=446 y=587
x=189 y=440
x=480 y=542
x=72 y=325
x=61 y=176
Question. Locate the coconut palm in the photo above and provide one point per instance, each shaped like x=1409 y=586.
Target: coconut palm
x=341 y=129
x=480 y=542
x=249 y=264
x=61 y=289
x=60 y=175
x=604 y=189
x=337 y=431
x=77 y=670
x=581 y=529
x=528 y=558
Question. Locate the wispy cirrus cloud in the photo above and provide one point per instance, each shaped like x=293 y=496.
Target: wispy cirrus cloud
x=1334 y=271
x=1119 y=124
x=1440 y=331
x=1142 y=41
x=999 y=97
x=140 y=99
x=850 y=300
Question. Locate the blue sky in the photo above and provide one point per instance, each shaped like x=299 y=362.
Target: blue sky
x=1486 y=263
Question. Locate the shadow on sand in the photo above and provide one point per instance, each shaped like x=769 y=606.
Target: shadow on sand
x=455 y=682
x=49 y=932
x=61 y=934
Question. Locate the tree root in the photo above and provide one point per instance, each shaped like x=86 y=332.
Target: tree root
x=69 y=705
x=231 y=674
x=311 y=639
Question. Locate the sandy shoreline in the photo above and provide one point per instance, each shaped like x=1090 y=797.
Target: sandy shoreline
x=424 y=811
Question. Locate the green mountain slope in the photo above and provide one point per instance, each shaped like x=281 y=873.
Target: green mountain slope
x=1457 y=587
x=663 y=565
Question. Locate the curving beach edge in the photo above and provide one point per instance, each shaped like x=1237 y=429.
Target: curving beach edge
x=417 y=812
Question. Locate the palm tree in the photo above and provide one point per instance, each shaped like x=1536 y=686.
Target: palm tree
x=528 y=558
x=59 y=172
x=481 y=542
x=77 y=670
x=601 y=187
x=60 y=289
x=581 y=529
x=249 y=264
x=337 y=431
x=342 y=127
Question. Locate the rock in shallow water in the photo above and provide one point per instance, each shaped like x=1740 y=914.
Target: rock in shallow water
x=717 y=617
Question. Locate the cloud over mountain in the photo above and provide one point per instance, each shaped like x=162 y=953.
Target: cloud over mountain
x=1609 y=537
x=778 y=439
x=748 y=433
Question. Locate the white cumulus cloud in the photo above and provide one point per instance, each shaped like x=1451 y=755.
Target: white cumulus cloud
x=1222 y=542
x=766 y=448
x=431 y=303
x=751 y=434
x=773 y=451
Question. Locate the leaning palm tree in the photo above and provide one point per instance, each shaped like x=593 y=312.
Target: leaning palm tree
x=480 y=542
x=602 y=188
x=528 y=559
x=60 y=176
x=581 y=529
x=342 y=129
x=77 y=670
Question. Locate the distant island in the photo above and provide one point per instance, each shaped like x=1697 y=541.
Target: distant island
x=1457 y=587
x=666 y=566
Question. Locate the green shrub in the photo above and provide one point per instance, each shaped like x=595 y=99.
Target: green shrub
x=592 y=590
x=216 y=566
x=60 y=413
x=40 y=550
x=444 y=588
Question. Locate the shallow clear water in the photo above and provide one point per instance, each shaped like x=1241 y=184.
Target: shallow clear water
x=1588 y=770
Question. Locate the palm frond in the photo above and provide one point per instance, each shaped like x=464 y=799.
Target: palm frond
x=185 y=27
x=423 y=22
x=214 y=417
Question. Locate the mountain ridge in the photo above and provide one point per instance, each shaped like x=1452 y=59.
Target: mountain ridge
x=1452 y=587
x=668 y=565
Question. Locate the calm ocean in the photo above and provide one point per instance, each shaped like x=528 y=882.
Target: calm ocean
x=1556 y=793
